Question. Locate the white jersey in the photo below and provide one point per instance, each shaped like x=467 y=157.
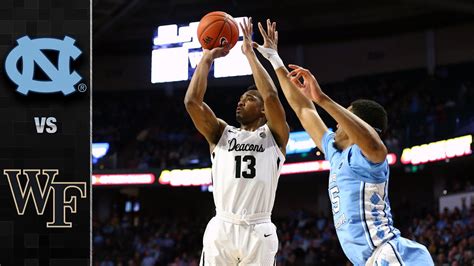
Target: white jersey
x=246 y=166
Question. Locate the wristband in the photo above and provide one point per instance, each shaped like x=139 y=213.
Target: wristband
x=276 y=61
x=272 y=56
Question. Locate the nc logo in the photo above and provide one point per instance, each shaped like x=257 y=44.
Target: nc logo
x=62 y=80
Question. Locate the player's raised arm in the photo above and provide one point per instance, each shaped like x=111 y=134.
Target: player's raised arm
x=274 y=112
x=203 y=117
x=301 y=105
x=361 y=133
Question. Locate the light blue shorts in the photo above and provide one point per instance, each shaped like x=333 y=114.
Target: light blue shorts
x=401 y=251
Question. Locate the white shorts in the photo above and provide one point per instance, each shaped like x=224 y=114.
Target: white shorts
x=226 y=243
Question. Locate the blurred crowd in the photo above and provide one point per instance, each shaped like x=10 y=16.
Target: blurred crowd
x=153 y=130
x=147 y=241
x=304 y=239
x=449 y=236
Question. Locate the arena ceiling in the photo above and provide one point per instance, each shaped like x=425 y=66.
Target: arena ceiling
x=126 y=26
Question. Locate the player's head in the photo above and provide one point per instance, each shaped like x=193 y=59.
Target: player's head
x=371 y=112
x=250 y=106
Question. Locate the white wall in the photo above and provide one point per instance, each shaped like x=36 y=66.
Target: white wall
x=456 y=200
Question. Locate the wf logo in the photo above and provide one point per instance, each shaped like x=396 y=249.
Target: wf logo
x=62 y=80
x=25 y=185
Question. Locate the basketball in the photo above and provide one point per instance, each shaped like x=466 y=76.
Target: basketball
x=217 y=28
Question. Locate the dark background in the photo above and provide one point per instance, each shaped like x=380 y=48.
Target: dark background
x=25 y=240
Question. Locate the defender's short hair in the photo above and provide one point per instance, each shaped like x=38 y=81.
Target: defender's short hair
x=372 y=113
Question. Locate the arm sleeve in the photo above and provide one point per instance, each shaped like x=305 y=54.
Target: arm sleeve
x=327 y=144
x=365 y=169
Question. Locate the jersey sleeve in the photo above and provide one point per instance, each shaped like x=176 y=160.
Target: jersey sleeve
x=365 y=169
x=327 y=144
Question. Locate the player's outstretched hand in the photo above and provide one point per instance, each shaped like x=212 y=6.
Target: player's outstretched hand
x=310 y=87
x=270 y=37
x=270 y=40
x=247 y=30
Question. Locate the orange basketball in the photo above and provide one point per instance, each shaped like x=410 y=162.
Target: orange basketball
x=217 y=28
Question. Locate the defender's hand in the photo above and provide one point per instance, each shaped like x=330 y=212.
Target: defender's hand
x=310 y=87
x=270 y=40
x=270 y=37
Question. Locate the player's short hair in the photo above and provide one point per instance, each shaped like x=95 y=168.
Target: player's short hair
x=372 y=113
x=253 y=89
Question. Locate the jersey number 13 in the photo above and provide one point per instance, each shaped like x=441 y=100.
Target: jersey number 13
x=250 y=161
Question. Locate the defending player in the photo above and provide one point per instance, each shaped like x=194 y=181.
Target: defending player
x=246 y=164
x=359 y=172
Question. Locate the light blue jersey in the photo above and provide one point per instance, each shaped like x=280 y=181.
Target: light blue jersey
x=359 y=198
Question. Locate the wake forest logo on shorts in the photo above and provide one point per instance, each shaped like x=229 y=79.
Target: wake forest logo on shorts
x=61 y=78
x=40 y=186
